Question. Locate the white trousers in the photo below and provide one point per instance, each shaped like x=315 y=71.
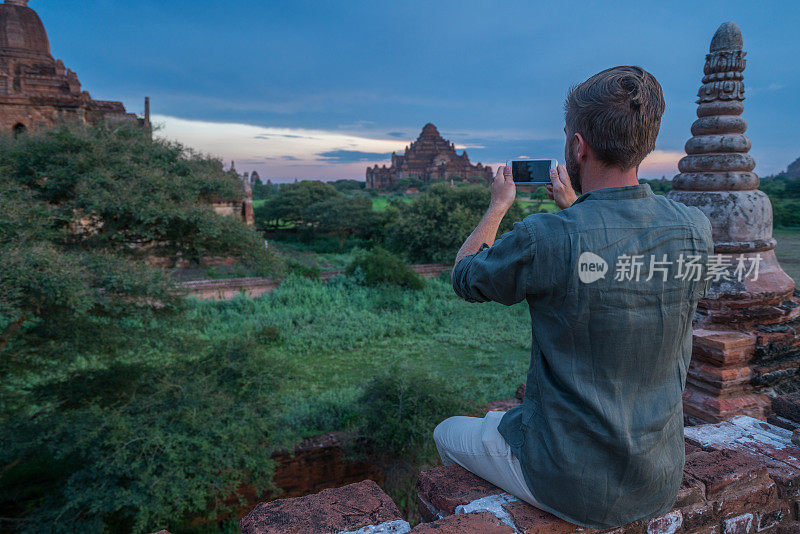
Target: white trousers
x=475 y=444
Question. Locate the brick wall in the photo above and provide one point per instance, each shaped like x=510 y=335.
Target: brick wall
x=226 y=289
x=741 y=476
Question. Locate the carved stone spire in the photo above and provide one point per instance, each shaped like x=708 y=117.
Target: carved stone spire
x=717 y=177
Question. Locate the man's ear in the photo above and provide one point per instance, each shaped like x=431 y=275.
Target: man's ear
x=580 y=148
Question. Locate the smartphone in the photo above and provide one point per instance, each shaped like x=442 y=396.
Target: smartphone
x=532 y=171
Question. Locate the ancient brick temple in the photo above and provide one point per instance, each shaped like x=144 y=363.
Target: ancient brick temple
x=37 y=90
x=746 y=346
x=430 y=157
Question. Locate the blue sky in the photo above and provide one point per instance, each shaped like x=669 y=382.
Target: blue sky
x=322 y=89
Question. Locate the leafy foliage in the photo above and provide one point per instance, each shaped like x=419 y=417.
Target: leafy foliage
x=401 y=407
x=80 y=208
x=436 y=223
x=379 y=266
x=159 y=435
x=290 y=203
x=348 y=185
x=342 y=215
x=137 y=446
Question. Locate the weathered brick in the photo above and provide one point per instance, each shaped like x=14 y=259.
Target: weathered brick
x=723 y=340
x=731 y=504
x=792 y=527
x=668 y=523
x=770 y=517
x=690 y=448
x=478 y=522
x=637 y=527
x=726 y=470
x=427 y=511
x=348 y=508
x=692 y=491
x=446 y=487
x=698 y=516
x=742 y=524
x=787 y=406
x=711 y=529
x=531 y=520
x=717 y=380
x=786 y=478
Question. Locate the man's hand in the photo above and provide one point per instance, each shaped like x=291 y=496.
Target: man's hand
x=504 y=190
x=560 y=188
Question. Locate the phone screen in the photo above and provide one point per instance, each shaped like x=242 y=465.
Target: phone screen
x=534 y=170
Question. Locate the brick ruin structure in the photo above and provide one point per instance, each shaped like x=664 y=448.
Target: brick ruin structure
x=741 y=476
x=242 y=207
x=35 y=89
x=746 y=348
x=430 y=157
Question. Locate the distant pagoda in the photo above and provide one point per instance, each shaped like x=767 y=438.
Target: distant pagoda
x=430 y=157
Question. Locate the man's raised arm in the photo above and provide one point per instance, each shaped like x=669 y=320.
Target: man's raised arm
x=503 y=193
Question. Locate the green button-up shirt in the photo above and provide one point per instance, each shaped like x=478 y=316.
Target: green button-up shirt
x=612 y=283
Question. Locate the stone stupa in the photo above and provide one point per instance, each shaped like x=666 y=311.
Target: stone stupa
x=746 y=348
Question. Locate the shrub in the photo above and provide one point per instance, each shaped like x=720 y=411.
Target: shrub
x=134 y=448
x=80 y=209
x=400 y=409
x=436 y=223
x=398 y=412
x=379 y=266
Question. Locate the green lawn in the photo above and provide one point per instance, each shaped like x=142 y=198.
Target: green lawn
x=337 y=336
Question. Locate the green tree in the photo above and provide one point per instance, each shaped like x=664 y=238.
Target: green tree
x=346 y=186
x=80 y=211
x=289 y=204
x=436 y=223
x=540 y=194
x=341 y=216
x=263 y=191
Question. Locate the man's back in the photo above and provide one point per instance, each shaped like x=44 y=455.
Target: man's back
x=612 y=283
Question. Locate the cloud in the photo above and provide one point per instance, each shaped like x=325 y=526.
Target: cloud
x=351 y=156
x=284 y=136
x=281 y=153
x=397 y=135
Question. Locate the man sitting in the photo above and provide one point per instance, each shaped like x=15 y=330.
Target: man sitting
x=612 y=282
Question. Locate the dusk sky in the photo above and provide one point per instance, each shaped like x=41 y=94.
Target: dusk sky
x=301 y=89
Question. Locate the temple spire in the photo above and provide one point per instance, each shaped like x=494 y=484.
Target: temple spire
x=716 y=176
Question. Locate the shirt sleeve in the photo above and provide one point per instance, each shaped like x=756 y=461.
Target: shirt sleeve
x=501 y=272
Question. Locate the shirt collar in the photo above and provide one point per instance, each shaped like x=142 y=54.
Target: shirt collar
x=625 y=192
